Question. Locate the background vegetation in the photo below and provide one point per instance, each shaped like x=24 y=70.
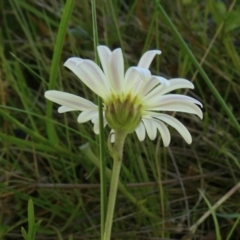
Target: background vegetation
x=61 y=179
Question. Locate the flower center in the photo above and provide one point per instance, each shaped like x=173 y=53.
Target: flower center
x=123 y=113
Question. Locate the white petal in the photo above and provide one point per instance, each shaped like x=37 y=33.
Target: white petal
x=75 y=60
x=104 y=53
x=116 y=70
x=175 y=124
x=147 y=58
x=69 y=100
x=150 y=84
x=90 y=74
x=87 y=115
x=64 y=109
x=164 y=132
x=186 y=107
x=140 y=131
x=144 y=74
x=96 y=125
x=167 y=99
x=175 y=83
x=131 y=80
x=162 y=80
x=95 y=119
x=135 y=78
x=150 y=128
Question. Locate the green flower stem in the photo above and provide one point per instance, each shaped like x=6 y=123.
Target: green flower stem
x=86 y=150
x=116 y=152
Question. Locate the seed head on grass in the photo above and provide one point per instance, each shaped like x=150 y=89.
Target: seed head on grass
x=131 y=100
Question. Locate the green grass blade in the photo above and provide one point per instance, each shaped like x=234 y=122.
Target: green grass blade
x=198 y=66
x=217 y=228
x=102 y=148
x=233 y=228
x=31 y=221
x=24 y=233
x=55 y=62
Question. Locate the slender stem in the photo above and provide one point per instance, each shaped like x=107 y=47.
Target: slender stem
x=112 y=199
x=117 y=152
x=137 y=202
x=101 y=135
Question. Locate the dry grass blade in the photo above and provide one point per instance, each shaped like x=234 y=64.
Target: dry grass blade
x=195 y=226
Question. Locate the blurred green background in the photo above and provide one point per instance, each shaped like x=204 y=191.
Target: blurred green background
x=62 y=181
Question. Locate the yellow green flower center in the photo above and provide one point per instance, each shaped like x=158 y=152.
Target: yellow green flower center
x=123 y=113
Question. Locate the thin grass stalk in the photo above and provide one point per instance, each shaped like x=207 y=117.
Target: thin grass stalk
x=103 y=179
x=62 y=30
x=198 y=66
x=233 y=228
x=117 y=29
x=212 y=210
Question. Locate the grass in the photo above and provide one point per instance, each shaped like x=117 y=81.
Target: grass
x=159 y=197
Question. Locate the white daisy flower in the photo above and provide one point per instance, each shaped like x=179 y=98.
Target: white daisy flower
x=132 y=101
